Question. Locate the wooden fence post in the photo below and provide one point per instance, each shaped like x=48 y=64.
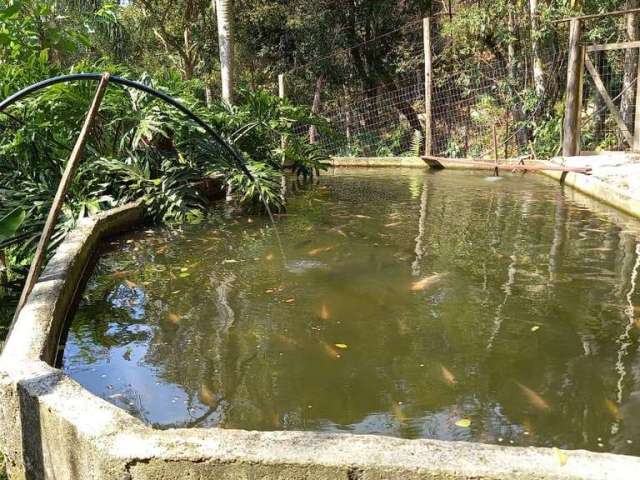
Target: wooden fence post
x=636 y=127
x=426 y=28
x=63 y=188
x=571 y=142
x=281 y=94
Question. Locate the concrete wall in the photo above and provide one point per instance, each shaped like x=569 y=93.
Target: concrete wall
x=52 y=428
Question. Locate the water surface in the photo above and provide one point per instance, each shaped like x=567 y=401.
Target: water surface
x=407 y=303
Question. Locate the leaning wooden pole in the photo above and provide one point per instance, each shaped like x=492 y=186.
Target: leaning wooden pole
x=571 y=142
x=426 y=27
x=61 y=193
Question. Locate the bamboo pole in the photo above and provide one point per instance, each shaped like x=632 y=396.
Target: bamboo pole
x=426 y=29
x=616 y=13
x=63 y=188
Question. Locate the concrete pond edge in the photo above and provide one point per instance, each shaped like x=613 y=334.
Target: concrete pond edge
x=53 y=428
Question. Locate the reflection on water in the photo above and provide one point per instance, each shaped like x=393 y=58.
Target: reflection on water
x=410 y=304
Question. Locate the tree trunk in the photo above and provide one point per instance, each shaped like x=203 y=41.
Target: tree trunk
x=522 y=135
x=315 y=108
x=627 y=103
x=224 y=14
x=538 y=69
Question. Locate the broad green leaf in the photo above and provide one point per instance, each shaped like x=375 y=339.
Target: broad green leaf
x=10 y=224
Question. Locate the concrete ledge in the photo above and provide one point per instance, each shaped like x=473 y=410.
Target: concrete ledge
x=52 y=428
x=410 y=162
x=592 y=185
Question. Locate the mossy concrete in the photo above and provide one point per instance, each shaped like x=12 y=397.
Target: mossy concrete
x=52 y=428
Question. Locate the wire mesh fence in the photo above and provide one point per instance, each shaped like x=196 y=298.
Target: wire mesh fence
x=512 y=89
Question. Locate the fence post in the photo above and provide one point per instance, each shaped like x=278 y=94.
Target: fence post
x=61 y=193
x=571 y=143
x=636 y=127
x=426 y=28
x=281 y=94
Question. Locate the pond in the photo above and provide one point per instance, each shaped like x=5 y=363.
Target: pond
x=444 y=305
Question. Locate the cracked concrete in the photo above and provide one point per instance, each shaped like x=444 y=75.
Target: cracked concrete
x=52 y=428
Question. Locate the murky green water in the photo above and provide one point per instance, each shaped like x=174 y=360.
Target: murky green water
x=409 y=304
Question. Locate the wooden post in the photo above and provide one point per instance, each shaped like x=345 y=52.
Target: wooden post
x=571 y=143
x=426 y=28
x=495 y=150
x=636 y=126
x=63 y=187
x=281 y=85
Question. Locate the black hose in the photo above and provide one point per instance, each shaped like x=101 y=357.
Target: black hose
x=239 y=161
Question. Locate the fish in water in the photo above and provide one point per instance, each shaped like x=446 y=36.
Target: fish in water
x=534 y=398
x=613 y=409
x=207 y=396
x=317 y=251
x=173 y=318
x=426 y=282
x=325 y=314
x=447 y=375
x=361 y=216
x=330 y=351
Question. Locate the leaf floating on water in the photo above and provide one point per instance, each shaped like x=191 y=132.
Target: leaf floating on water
x=184 y=274
x=463 y=423
x=343 y=346
x=534 y=398
x=325 y=314
x=361 y=216
x=269 y=290
x=426 y=282
x=613 y=409
x=184 y=269
x=561 y=456
x=447 y=375
x=394 y=224
x=290 y=300
x=230 y=261
x=174 y=317
x=535 y=328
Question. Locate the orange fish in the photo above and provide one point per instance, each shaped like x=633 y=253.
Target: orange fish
x=613 y=409
x=398 y=413
x=207 y=396
x=534 y=398
x=173 y=317
x=330 y=351
x=318 y=251
x=119 y=275
x=325 y=314
x=447 y=375
x=426 y=283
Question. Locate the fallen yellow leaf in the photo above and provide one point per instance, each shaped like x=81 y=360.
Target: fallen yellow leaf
x=463 y=422
x=535 y=328
x=561 y=456
x=343 y=346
